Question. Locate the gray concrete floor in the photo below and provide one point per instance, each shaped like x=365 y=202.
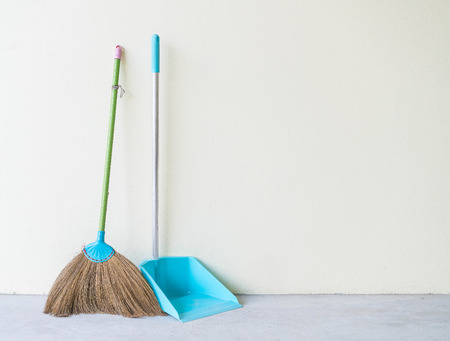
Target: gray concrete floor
x=263 y=317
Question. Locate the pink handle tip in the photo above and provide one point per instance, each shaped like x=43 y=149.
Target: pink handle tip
x=118 y=52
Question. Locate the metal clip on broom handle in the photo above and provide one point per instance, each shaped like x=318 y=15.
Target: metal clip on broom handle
x=155 y=73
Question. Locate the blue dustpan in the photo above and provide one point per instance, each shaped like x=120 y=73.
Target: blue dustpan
x=182 y=285
x=185 y=289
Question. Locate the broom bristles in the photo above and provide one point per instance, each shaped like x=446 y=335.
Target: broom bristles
x=112 y=287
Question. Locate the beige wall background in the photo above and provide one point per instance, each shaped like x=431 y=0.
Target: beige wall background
x=305 y=145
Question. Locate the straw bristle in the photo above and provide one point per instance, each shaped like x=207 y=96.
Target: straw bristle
x=112 y=287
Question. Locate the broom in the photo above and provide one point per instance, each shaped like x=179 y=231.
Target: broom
x=100 y=280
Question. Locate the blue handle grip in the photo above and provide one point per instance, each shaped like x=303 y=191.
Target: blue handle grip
x=155 y=53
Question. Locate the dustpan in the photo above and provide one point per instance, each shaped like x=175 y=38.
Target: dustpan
x=185 y=289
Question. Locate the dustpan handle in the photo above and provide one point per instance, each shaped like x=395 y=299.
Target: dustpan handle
x=109 y=145
x=155 y=110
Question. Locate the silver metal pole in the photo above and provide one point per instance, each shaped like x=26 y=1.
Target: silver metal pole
x=155 y=164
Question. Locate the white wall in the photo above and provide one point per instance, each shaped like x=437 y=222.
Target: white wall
x=305 y=144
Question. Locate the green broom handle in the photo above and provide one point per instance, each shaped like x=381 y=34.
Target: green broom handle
x=109 y=145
